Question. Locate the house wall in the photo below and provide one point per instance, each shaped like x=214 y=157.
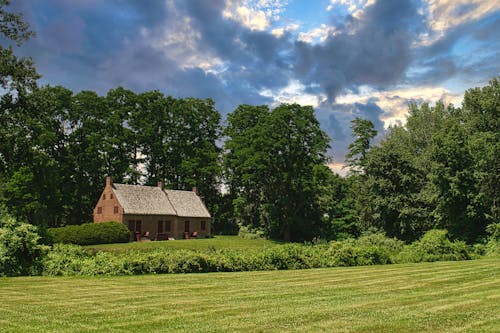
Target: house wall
x=194 y=225
x=149 y=223
x=107 y=202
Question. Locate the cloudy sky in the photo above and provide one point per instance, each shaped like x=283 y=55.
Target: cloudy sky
x=347 y=58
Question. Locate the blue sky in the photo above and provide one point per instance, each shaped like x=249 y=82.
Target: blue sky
x=347 y=58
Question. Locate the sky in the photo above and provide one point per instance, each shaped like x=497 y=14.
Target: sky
x=346 y=58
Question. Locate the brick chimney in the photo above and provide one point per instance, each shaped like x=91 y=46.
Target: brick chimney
x=195 y=190
x=109 y=181
x=160 y=184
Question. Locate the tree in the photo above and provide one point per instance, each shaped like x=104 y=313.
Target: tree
x=270 y=157
x=481 y=116
x=363 y=132
x=177 y=139
x=36 y=155
x=16 y=74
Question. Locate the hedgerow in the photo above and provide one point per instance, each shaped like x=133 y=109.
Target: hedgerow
x=372 y=249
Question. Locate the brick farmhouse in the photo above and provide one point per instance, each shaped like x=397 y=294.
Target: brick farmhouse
x=152 y=212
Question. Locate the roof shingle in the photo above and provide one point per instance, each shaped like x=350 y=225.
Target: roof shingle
x=149 y=200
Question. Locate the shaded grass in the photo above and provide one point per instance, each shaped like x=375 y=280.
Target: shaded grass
x=431 y=297
x=218 y=242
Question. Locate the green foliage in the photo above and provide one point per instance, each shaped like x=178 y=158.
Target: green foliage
x=248 y=233
x=369 y=249
x=269 y=162
x=91 y=233
x=493 y=244
x=16 y=74
x=56 y=148
x=20 y=248
x=434 y=246
x=439 y=170
x=363 y=132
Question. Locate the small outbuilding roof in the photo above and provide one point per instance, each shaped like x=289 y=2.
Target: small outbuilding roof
x=152 y=200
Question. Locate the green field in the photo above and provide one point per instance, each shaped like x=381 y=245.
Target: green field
x=430 y=297
x=218 y=242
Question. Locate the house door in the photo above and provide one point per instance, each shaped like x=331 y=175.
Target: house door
x=186 y=226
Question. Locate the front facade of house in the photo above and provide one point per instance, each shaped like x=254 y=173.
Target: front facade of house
x=153 y=212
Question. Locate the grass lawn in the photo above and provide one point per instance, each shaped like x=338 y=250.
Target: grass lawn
x=218 y=242
x=430 y=297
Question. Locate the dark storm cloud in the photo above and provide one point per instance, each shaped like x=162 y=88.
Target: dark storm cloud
x=99 y=45
x=374 y=50
x=255 y=56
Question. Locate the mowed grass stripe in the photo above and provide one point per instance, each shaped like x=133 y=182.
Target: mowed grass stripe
x=432 y=297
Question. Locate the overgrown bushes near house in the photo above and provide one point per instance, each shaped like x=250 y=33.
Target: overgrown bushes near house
x=20 y=249
x=90 y=233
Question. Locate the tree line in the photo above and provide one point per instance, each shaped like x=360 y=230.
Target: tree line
x=264 y=169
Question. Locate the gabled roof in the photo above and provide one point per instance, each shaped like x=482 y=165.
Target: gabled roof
x=187 y=203
x=143 y=200
x=150 y=200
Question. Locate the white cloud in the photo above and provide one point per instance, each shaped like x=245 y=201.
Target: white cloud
x=278 y=32
x=294 y=93
x=394 y=103
x=354 y=7
x=254 y=14
x=317 y=34
x=338 y=168
x=248 y=17
x=446 y=14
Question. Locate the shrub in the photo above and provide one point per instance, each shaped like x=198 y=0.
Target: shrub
x=493 y=244
x=434 y=246
x=369 y=249
x=91 y=233
x=69 y=260
x=20 y=249
x=248 y=233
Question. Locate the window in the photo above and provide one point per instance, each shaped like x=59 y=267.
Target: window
x=186 y=226
x=135 y=226
x=115 y=210
x=160 y=227
x=99 y=210
x=168 y=226
x=104 y=197
x=111 y=196
x=203 y=225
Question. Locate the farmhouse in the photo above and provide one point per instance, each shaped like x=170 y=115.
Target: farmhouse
x=153 y=212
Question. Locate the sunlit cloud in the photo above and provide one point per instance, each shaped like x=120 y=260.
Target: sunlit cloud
x=254 y=14
x=294 y=92
x=317 y=35
x=394 y=103
x=444 y=15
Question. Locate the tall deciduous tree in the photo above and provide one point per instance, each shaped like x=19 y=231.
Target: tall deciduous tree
x=16 y=74
x=177 y=139
x=270 y=157
x=363 y=132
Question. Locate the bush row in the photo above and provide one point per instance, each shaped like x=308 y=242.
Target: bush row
x=366 y=250
x=90 y=233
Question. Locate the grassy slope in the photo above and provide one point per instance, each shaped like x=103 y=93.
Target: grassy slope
x=219 y=242
x=430 y=297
